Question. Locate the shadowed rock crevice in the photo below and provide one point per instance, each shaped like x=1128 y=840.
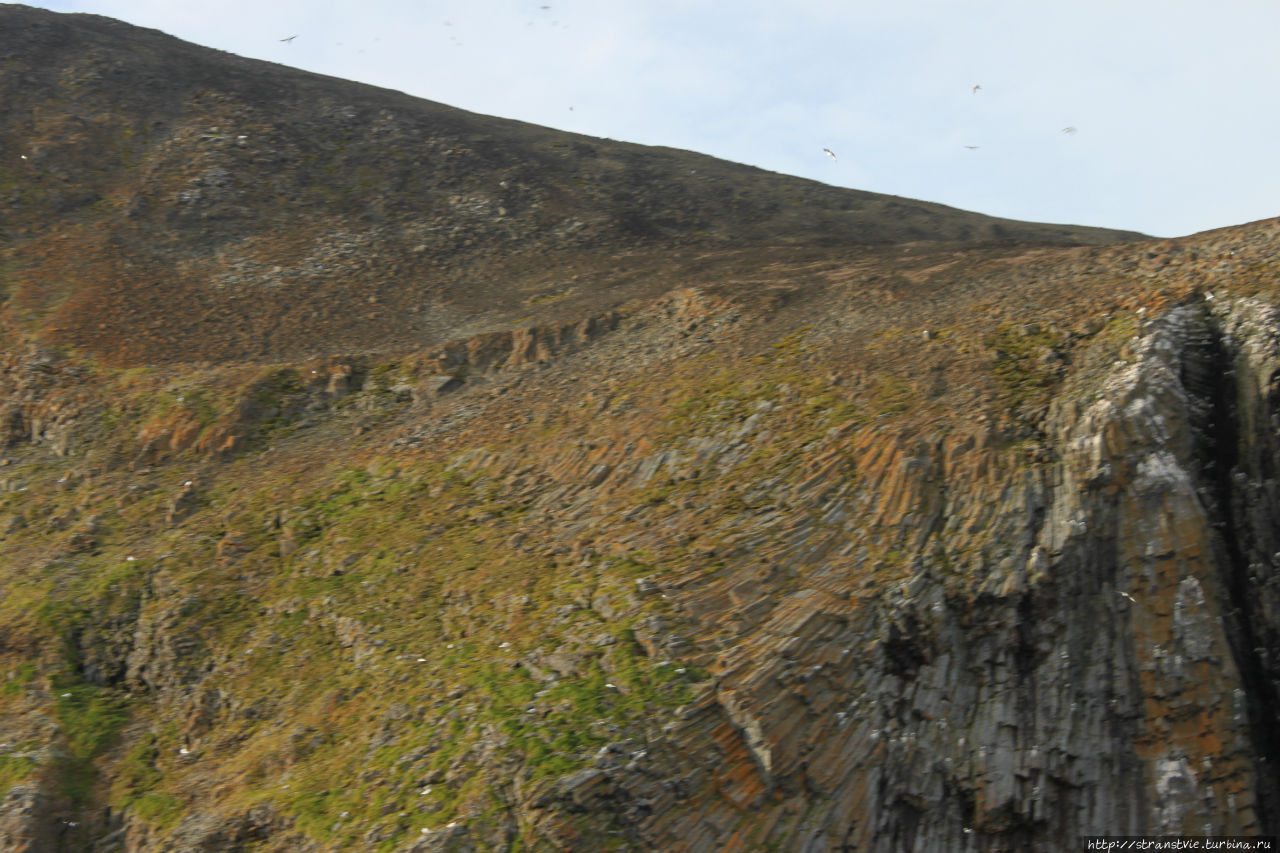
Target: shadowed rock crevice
x=1209 y=372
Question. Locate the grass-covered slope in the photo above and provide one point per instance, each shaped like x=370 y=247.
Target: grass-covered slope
x=166 y=202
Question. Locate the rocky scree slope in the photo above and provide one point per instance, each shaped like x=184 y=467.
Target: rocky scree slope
x=835 y=545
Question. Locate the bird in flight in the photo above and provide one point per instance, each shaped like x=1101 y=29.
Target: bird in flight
x=289 y=39
x=972 y=147
x=976 y=87
x=1069 y=129
x=1128 y=596
x=830 y=153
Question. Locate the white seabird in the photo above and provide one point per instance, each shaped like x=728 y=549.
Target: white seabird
x=830 y=153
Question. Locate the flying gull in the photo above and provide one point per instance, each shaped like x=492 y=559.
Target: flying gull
x=1069 y=129
x=289 y=39
x=830 y=153
x=976 y=87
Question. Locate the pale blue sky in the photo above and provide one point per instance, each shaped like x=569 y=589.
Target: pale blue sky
x=1174 y=103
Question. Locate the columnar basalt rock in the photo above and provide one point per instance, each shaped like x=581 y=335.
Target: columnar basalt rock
x=1085 y=676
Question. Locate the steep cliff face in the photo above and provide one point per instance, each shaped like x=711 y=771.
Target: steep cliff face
x=684 y=541
x=1072 y=648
